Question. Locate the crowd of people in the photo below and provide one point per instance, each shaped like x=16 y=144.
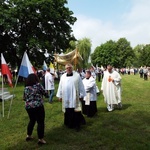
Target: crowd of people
x=77 y=91
x=144 y=72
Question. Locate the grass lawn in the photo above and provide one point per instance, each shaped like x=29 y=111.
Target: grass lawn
x=126 y=129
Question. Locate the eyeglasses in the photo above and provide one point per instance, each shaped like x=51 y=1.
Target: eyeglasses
x=68 y=67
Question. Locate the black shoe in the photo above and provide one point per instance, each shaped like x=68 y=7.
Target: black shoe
x=29 y=138
x=77 y=129
x=119 y=105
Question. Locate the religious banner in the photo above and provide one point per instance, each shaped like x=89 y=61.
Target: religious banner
x=73 y=57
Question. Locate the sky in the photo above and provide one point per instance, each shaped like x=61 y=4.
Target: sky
x=104 y=20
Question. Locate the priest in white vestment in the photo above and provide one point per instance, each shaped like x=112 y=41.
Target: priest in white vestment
x=89 y=106
x=111 y=87
x=70 y=92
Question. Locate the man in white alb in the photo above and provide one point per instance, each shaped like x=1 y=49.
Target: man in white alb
x=70 y=92
x=111 y=87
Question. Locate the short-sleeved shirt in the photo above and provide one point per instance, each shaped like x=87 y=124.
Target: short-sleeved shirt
x=33 y=96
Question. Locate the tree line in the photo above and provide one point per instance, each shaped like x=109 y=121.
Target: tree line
x=39 y=26
x=121 y=54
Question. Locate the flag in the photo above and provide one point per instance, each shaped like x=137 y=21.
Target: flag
x=51 y=66
x=26 y=67
x=44 y=66
x=5 y=70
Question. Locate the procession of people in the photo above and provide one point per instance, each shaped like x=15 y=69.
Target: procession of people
x=78 y=93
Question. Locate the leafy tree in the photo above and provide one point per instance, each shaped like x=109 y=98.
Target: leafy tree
x=137 y=51
x=119 y=54
x=34 y=26
x=125 y=53
x=105 y=54
x=84 y=48
x=144 y=57
x=72 y=45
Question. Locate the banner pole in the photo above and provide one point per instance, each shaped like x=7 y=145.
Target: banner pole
x=12 y=98
x=2 y=96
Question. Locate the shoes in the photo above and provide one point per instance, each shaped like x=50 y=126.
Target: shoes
x=29 y=138
x=119 y=106
x=110 y=107
x=77 y=129
x=41 y=142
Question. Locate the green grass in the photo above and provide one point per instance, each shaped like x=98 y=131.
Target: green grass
x=126 y=129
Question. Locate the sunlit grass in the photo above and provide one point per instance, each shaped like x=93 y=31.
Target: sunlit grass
x=126 y=129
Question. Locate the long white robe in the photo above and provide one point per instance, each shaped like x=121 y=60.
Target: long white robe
x=111 y=90
x=70 y=89
x=90 y=88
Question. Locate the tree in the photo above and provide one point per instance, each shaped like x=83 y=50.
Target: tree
x=72 y=45
x=84 y=48
x=119 y=54
x=137 y=51
x=144 y=57
x=34 y=26
x=105 y=54
x=125 y=53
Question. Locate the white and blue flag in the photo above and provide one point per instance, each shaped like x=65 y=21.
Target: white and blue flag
x=26 y=67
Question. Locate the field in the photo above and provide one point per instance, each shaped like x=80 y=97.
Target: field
x=126 y=129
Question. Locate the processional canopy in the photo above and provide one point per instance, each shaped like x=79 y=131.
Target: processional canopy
x=72 y=57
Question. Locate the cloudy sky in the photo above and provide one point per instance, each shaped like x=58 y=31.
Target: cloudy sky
x=104 y=20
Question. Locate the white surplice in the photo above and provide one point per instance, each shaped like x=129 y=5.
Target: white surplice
x=90 y=88
x=111 y=90
x=70 y=89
